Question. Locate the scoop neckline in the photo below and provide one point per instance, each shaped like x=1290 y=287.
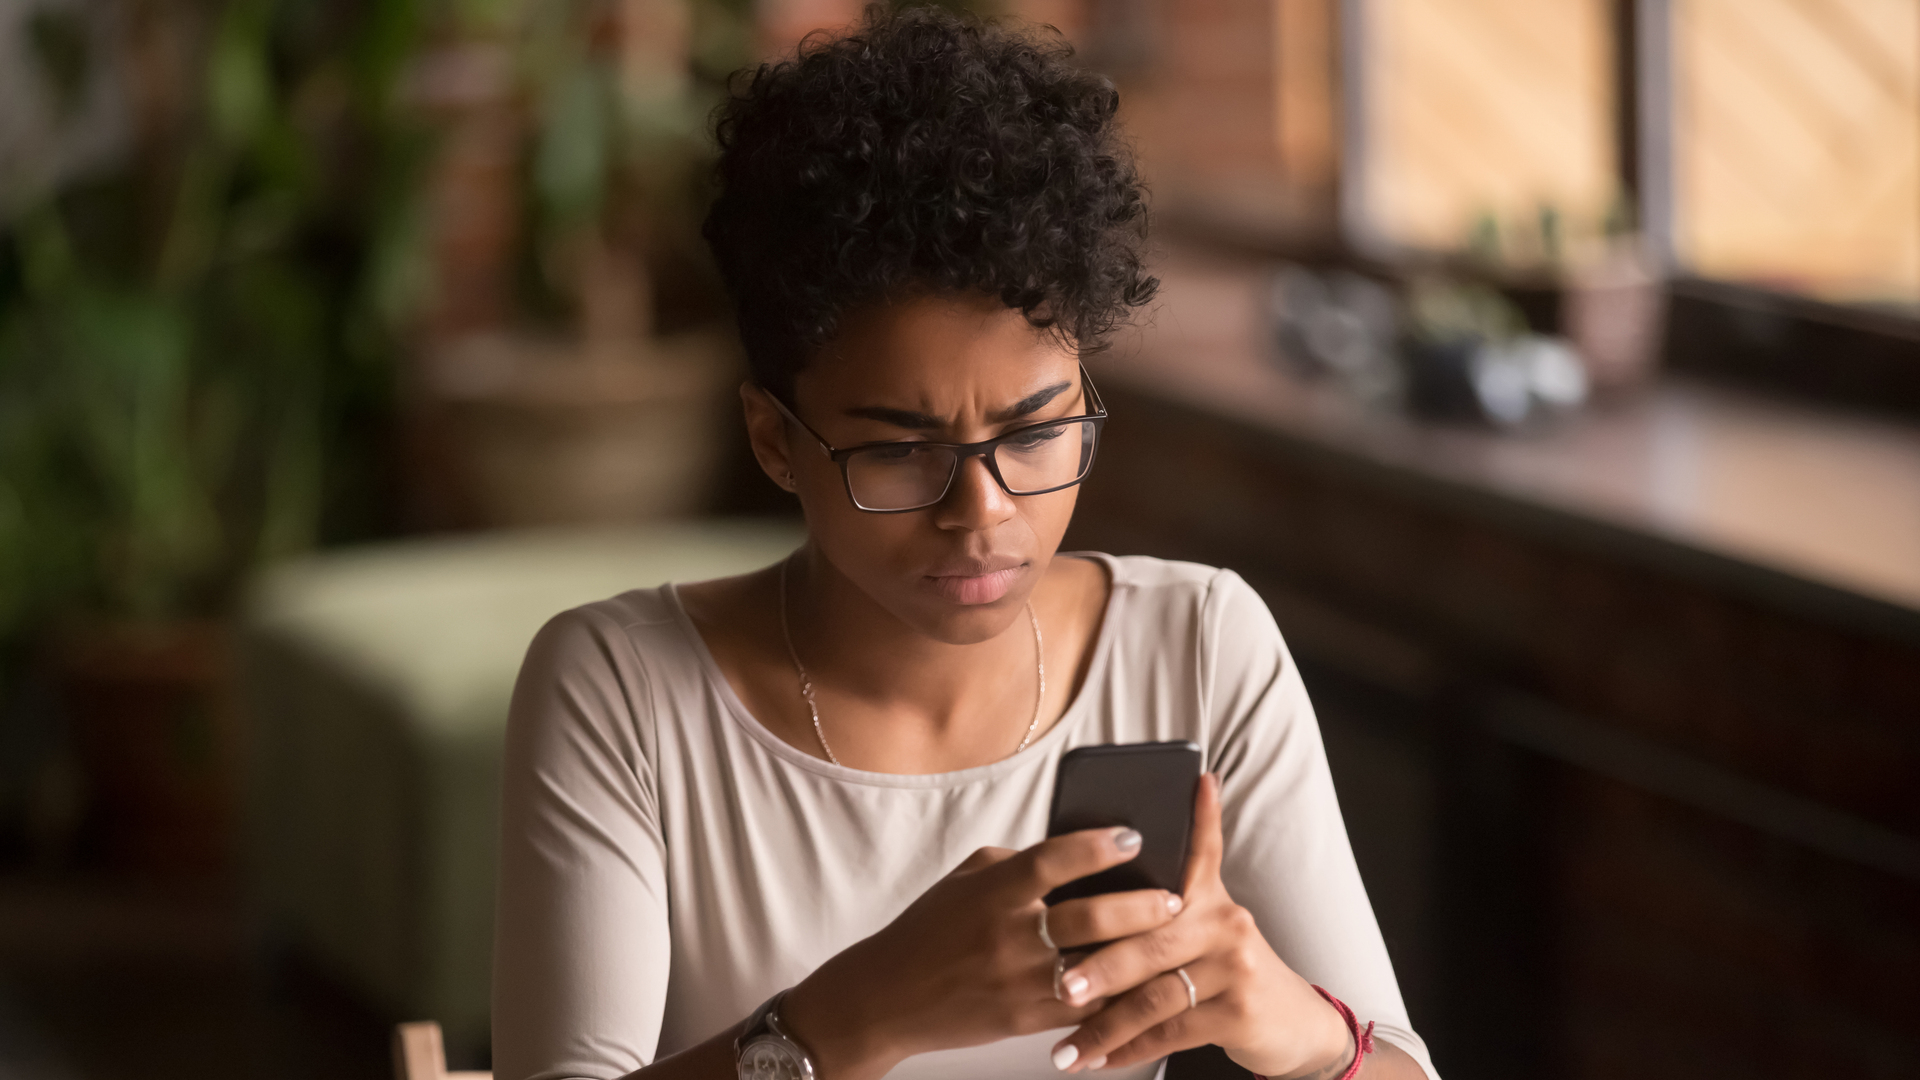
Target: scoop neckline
x=1038 y=750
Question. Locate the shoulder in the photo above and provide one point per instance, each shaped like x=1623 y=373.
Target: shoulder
x=1169 y=615
x=619 y=637
x=594 y=685
x=1169 y=594
x=1203 y=620
x=1199 y=639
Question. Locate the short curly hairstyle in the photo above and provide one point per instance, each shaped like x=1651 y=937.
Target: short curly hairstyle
x=924 y=152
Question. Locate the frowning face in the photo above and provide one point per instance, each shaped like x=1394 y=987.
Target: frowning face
x=932 y=369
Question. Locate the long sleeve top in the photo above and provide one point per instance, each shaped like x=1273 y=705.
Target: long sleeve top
x=667 y=863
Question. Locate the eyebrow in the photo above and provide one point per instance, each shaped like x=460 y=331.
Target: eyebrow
x=919 y=421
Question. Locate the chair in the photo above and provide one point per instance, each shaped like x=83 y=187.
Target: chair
x=419 y=1055
x=376 y=683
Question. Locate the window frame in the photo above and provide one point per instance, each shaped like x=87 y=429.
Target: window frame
x=1854 y=354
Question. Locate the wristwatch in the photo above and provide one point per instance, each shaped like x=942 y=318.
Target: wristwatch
x=764 y=1051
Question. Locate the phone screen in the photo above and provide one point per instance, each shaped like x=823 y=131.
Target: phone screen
x=1148 y=787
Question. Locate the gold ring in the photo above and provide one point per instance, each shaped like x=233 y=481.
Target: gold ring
x=1193 y=997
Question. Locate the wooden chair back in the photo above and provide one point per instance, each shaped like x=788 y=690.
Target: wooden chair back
x=419 y=1054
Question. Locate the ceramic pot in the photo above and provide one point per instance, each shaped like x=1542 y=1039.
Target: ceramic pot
x=1615 y=313
x=547 y=433
x=157 y=742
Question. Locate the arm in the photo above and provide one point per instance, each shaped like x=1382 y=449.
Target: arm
x=581 y=946
x=966 y=964
x=1275 y=900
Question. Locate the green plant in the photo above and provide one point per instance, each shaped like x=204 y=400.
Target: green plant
x=620 y=153
x=187 y=342
x=1444 y=310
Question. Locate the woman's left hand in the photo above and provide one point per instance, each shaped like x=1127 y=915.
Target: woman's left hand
x=1267 y=1018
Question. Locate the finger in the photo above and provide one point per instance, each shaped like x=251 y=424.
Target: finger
x=1183 y=1032
x=1049 y=1014
x=1224 y=1019
x=1096 y=919
x=1158 y=1010
x=983 y=858
x=1131 y=961
x=1206 y=849
x=1045 y=866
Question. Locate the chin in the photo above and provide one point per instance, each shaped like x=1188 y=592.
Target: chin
x=980 y=624
x=969 y=624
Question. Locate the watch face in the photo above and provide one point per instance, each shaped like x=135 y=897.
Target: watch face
x=773 y=1058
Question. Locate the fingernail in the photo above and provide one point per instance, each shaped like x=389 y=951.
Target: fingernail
x=1064 y=1055
x=1075 y=985
x=1095 y=1063
x=1126 y=840
x=1174 y=903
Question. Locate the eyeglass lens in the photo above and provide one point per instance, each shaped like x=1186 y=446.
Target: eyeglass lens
x=903 y=476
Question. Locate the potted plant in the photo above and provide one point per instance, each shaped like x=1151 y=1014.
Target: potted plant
x=183 y=342
x=585 y=404
x=1610 y=293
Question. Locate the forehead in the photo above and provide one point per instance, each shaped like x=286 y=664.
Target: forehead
x=937 y=354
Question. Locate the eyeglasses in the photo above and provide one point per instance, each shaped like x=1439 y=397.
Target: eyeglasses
x=895 y=477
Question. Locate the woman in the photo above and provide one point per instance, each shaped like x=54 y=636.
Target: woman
x=791 y=823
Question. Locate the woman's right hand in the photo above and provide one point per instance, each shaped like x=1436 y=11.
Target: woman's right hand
x=964 y=964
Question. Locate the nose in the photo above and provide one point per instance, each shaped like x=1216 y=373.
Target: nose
x=975 y=500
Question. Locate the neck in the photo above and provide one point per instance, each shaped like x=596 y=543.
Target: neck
x=882 y=681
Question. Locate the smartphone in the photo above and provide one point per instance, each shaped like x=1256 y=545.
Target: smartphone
x=1148 y=787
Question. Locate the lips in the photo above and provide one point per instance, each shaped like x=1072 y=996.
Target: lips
x=978 y=584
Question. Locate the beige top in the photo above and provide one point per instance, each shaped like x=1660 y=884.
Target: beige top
x=667 y=863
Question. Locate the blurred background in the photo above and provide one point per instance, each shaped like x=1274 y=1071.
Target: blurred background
x=1552 y=367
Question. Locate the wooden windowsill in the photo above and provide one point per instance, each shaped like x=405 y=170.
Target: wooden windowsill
x=1805 y=505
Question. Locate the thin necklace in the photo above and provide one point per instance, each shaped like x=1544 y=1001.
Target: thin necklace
x=813 y=710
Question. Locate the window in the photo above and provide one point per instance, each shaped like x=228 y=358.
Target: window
x=1795 y=144
x=1773 y=143
x=1481 y=123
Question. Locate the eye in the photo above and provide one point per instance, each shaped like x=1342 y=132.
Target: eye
x=1035 y=438
x=893 y=453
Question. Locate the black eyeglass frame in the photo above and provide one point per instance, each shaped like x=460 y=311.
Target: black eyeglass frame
x=961 y=451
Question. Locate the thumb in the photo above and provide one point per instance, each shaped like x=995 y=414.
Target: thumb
x=1206 y=849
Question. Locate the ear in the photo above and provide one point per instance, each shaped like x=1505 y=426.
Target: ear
x=767 y=434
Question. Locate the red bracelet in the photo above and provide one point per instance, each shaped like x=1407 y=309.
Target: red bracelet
x=1362 y=1038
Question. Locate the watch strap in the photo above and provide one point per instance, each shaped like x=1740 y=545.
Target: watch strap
x=760 y=1022
x=764 y=1025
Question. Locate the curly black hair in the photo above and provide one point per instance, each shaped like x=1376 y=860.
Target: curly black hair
x=924 y=151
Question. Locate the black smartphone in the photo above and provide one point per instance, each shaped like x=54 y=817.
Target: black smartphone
x=1147 y=787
